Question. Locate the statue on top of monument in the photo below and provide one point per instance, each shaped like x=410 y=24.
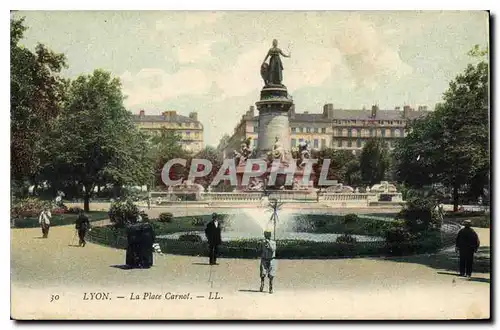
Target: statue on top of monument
x=272 y=73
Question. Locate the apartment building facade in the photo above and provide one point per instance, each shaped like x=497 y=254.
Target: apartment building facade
x=188 y=128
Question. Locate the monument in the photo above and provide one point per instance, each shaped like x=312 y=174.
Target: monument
x=274 y=130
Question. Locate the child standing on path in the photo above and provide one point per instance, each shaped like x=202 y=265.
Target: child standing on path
x=267 y=261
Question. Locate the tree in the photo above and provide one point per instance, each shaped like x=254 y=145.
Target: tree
x=211 y=154
x=37 y=93
x=344 y=166
x=96 y=142
x=167 y=146
x=453 y=142
x=374 y=161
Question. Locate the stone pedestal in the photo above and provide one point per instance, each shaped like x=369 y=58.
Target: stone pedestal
x=273 y=107
x=273 y=118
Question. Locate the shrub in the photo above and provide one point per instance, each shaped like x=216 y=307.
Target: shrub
x=197 y=221
x=350 y=218
x=165 y=217
x=74 y=210
x=481 y=222
x=122 y=213
x=346 y=239
x=420 y=214
x=144 y=216
x=190 y=238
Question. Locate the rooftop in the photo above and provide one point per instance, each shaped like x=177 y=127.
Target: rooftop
x=354 y=115
x=168 y=116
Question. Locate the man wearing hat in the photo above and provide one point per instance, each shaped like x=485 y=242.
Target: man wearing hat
x=467 y=244
x=267 y=261
x=213 y=234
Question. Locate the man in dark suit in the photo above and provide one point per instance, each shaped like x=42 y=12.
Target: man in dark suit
x=82 y=226
x=467 y=244
x=213 y=234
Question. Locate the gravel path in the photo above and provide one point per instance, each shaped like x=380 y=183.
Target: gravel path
x=360 y=288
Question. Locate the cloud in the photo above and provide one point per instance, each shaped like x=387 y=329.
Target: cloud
x=366 y=54
x=152 y=86
x=194 y=53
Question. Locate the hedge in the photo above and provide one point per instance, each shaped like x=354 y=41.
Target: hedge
x=286 y=249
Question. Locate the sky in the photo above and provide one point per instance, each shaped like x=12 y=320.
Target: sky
x=209 y=62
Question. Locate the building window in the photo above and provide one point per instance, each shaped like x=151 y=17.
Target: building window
x=323 y=130
x=294 y=142
x=316 y=130
x=256 y=129
x=344 y=132
x=358 y=143
x=349 y=132
x=301 y=129
x=349 y=143
x=354 y=132
x=397 y=132
x=392 y=132
x=344 y=143
x=323 y=143
x=316 y=143
x=301 y=140
x=188 y=134
x=339 y=143
x=294 y=129
x=308 y=130
x=382 y=132
x=371 y=132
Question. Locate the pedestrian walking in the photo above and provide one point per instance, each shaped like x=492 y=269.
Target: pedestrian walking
x=44 y=221
x=467 y=243
x=82 y=226
x=213 y=234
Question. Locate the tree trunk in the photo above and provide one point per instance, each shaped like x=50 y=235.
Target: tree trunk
x=455 y=198
x=86 y=202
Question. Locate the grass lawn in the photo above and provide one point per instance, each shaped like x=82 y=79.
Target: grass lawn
x=60 y=219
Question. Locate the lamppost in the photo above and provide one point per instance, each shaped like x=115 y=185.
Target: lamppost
x=275 y=206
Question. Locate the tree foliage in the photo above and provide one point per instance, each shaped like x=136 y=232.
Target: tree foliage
x=164 y=147
x=344 y=166
x=374 y=161
x=37 y=94
x=95 y=141
x=451 y=145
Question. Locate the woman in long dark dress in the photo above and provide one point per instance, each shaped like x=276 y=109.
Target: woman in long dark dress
x=275 y=69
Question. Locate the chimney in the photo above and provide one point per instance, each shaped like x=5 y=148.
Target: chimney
x=142 y=113
x=193 y=116
x=328 y=110
x=374 y=111
x=406 y=111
